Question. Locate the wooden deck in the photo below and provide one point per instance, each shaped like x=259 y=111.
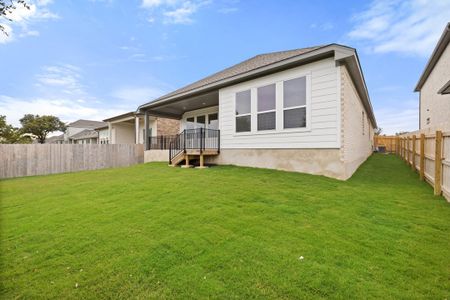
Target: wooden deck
x=192 y=154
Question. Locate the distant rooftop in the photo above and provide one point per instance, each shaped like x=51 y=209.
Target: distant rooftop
x=86 y=124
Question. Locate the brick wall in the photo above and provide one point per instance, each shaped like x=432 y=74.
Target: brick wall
x=167 y=126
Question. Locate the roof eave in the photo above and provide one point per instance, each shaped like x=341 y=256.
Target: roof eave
x=437 y=52
x=317 y=53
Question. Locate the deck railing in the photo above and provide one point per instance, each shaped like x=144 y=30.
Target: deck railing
x=161 y=142
x=194 y=139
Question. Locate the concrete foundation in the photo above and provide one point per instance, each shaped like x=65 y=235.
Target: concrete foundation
x=156 y=155
x=325 y=162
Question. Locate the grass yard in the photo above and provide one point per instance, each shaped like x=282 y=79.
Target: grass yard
x=151 y=231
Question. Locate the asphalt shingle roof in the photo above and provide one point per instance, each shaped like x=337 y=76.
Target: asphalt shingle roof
x=87 y=124
x=85 y=134
x=248 y=65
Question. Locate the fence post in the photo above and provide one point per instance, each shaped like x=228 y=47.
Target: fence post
x=413 y=160
x=422 y=157
x=438 y=164
x=408 y=156
x=404 y=149
x=397 y=145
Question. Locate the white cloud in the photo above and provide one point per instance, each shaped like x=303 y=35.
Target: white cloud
x=173 y=11
x=22 y=18
x=67 y=110
x=61 y=78
x=60 y=91
x=409 y=27
x=135 y=95
x=401 y=118
x=228 y=10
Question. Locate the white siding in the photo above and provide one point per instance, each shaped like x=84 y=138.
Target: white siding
x=323 y=110
x=435 y=106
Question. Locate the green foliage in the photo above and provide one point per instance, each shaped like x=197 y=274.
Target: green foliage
x=154 y=232
x=41 y=126
x=10 y=134
x=7 y=7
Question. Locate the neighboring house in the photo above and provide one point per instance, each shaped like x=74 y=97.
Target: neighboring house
x=128 y=128
x=57 y=139
x=305 y=110
x=82 y=132
x=87 y=136
x=434 y=88
x=103 y=134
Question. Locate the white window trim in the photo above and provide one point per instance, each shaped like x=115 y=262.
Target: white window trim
x=251 y=113
x=267 y=111
x=200 y=112
x=279 y=107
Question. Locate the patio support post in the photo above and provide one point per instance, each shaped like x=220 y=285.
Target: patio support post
x=136 y=125
x=146 y=131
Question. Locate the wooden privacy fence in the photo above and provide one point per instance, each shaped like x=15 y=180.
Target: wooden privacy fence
x=389 y=142
x=28 y=160
x=430 y=156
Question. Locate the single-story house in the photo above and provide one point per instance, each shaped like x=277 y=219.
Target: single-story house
x=56 y=139
x=78 y=132
x=304 y=110
x=87 y=136
x=128 y=128
x=434 y=88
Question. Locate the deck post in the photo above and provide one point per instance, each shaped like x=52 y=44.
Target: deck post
x=438 y=164
x=202 y=162
x=422 y=157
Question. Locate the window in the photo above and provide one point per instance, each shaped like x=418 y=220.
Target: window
x=213 y=121
x=294 y=103
x=201 y=121
x=266 y=107
x=243 y=111
x=190 y=123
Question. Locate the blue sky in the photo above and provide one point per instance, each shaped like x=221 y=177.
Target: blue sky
x=95 y=59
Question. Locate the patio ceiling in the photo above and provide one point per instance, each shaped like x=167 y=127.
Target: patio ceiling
x=175 y=109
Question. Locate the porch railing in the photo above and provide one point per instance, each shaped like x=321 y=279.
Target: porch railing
x=194 y=139
x=161 y=142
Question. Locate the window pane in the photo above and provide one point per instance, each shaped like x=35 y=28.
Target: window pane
x=295 y=92
x=190 y=123
x=213 y=122
x=266 y=98
x=243 y=124
x=243 y=102
x=201 y=121
x=295 y=118
x=266 y=121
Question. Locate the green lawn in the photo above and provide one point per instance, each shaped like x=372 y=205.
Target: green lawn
x=151 y=231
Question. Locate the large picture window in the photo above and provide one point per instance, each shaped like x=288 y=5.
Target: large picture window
x=243 y=111
x=266 y=107
x=294 y=103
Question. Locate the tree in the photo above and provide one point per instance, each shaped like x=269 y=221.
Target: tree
x=10 y=134
x=7 y=7
x=41 y=126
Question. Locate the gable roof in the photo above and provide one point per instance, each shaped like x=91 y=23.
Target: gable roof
x=86 y=124
x=55 y=138
x=268 y=63
x=250 y=64
x=85 y=134
x=437 y=52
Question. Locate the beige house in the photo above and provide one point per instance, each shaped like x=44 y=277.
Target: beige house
x=78 y=132
x=434 y=88
x=304 y=110
x=128 y=128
